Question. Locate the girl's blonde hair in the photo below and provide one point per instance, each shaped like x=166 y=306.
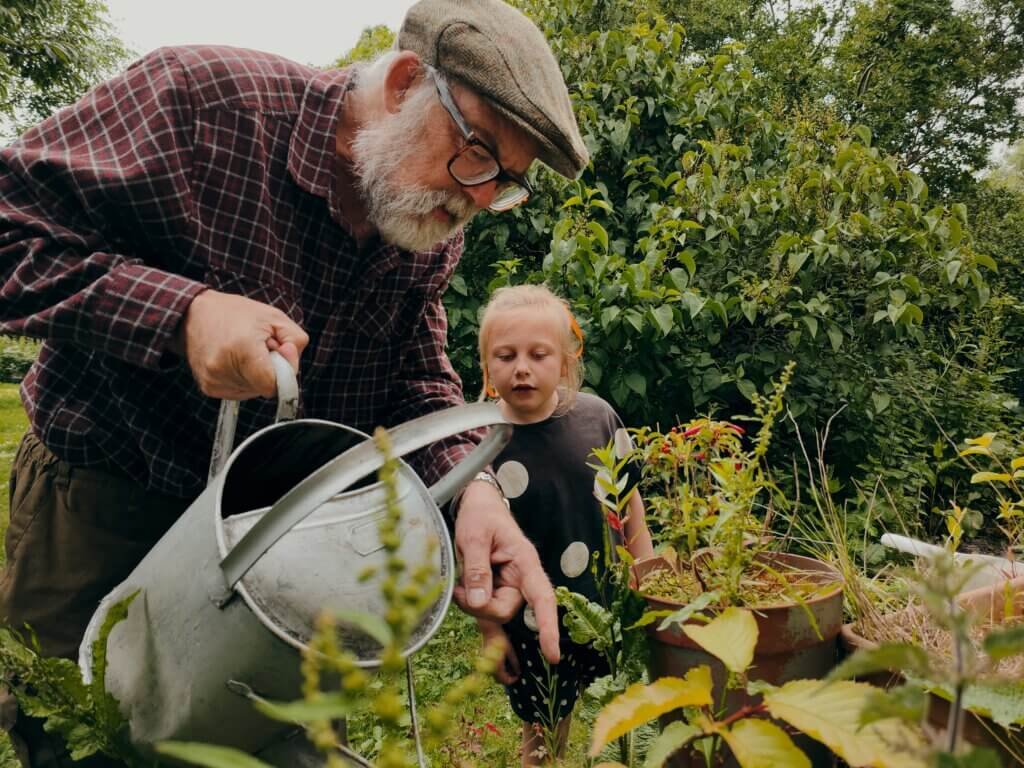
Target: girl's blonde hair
x=538 y=297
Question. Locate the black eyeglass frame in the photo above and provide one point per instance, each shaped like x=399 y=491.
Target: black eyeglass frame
x=472 y=140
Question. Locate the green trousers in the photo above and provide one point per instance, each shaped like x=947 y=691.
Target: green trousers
x=75 y=533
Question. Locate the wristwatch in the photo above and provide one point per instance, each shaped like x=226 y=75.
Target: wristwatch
x=482 y=476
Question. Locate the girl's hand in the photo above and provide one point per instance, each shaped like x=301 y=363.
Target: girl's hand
x=507 y=672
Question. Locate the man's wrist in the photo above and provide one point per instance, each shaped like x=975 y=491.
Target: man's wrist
x=481 y=478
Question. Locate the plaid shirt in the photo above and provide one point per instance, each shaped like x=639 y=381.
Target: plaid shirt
x=195 y=168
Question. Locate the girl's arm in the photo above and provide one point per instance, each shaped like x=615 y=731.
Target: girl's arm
x=638 y=537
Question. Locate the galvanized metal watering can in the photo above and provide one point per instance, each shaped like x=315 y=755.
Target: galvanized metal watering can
x=229 y=595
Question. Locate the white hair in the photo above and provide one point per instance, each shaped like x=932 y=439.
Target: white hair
x=402 y=211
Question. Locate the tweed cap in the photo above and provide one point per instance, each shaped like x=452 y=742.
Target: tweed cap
x=502 y=55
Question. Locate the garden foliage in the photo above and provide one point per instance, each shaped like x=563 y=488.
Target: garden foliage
x=714 y=238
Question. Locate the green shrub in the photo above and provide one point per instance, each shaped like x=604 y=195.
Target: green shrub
x=712 y=240
x=16 y=357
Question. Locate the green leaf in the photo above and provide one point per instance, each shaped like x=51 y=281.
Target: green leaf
x=664 y=318
x=881 y=401
x=326 y=706
x=831 y=713
x=731 y=637
x=812 y=325
x=368 y=623
x=747 y=388
x=694 y=304
x=641 y=703
x=835 y=337
x=887 y=657
x=986 y=261
x=674 y=737
x=952 y=270
x=600 y=233
x=1000 y=700
x=684 y=614
x=209 y=755
x=636 y=382
x=1003 y=643
x=587 y=622
x=762 y=744
x=796 y=260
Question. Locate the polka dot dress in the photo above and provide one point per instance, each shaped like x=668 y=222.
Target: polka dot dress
x=553 y=494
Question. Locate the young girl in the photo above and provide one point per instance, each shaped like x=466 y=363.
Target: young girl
x=530 y=352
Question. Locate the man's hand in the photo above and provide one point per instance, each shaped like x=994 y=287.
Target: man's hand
x=225 y=339
x=500 y=566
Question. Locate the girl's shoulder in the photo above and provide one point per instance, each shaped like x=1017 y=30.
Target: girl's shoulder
x=589 y=405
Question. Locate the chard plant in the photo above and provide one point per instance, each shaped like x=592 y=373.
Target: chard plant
x=756 y=735
x=612 y=626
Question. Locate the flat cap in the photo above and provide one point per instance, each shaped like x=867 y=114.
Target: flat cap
x=502 y=55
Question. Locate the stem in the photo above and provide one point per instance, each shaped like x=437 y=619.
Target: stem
x=956 y=709
x=744 y=711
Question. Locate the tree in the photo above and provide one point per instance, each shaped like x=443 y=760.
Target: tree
x=51 y=52
x=372 y=42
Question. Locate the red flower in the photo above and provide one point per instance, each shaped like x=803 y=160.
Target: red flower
x=700 y=456
x=665 y=448
x=493 y=729
x=693 y=431
x=736 y=428
x=615 y=522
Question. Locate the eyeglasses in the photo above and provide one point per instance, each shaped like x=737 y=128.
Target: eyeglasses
x=475 y=163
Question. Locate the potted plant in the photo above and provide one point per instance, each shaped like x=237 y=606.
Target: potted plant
x=711 y=500
x=967 y=664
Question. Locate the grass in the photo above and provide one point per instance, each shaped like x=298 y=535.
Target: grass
x=486 y=732
x=12 y=426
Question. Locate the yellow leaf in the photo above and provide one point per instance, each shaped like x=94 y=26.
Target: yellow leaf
x=990 y=477
x=731 y=636
x=640 y=703
x=975 y=449
x=1018 y=474
x=985 y=440
x=762 y=744
x=1017 y=463
x=609 y=765
x=831 y=713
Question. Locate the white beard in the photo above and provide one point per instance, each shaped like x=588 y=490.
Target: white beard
x=403 y=213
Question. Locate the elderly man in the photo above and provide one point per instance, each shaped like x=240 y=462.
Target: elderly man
x=211 y=204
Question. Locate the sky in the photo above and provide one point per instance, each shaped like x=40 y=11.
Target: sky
x=309 y=31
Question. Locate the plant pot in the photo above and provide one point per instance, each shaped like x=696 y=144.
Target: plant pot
x=978 y=730
x=790 y=645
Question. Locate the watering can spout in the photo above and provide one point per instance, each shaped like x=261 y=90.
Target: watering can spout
x=989 y=569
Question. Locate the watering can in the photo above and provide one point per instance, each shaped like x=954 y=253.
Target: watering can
x=988 y=569
x=287 y=523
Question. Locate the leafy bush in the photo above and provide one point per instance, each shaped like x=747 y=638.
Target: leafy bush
x=16 y=357
x=713 y=239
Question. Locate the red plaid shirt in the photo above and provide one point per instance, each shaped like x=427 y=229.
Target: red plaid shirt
x=195 y=168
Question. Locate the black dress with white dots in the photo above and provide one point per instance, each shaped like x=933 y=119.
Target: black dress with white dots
x=545 y=474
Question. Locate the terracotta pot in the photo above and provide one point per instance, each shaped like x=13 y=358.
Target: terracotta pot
x=789 y=647
x=987 y=604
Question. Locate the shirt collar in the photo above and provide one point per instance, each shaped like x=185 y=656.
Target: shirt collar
x=313 y=148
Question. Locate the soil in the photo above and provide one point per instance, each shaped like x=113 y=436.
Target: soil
x=764 y=588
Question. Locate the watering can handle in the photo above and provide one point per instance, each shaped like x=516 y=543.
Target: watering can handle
x=357 y=462
x=227 y=419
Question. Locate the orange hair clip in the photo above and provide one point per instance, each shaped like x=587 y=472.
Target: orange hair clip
x=576 y=331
